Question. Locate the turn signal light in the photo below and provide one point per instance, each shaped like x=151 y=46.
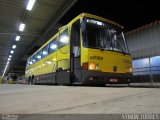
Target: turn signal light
x=85 y=66
x=90 y=66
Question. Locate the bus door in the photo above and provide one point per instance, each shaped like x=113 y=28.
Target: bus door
x=75 y=53
x=63 y=57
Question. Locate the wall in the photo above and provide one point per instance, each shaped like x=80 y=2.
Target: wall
x=144 y=46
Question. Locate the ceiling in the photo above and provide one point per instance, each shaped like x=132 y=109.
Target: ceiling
x=129 y=13
x=40 y=23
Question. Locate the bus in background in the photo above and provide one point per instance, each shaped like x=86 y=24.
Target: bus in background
x=89 y=50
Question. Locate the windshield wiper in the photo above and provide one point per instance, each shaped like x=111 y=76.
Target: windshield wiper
x=100 y=48
x=121 y=47
x=106 y=49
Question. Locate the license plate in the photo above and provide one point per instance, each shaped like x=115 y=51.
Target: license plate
x=113 y=80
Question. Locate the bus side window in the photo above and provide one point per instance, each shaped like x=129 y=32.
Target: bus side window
x=53 y=45
x=75 y=38
x=63 y=38
x=39 y=55
x=30 y=61
x=34 y=59
x=45 y=51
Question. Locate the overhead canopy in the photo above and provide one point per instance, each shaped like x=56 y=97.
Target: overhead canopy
x=40 y=23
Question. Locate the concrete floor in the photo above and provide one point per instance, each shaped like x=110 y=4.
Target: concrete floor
x=26 y=99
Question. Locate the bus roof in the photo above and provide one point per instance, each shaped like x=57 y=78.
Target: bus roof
x=76 y=18
x=96 y=17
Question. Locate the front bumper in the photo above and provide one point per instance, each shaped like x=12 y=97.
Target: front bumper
x=97 y=78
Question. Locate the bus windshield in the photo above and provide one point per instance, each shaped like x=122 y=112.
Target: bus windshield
x=102 y=35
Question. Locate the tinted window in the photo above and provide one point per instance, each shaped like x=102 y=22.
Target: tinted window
x=53 y=45
x=30 y=61
x=45 y=51
x=63 y=38
x=101 y=35
x=39 y=55
x=34 y=59
x=75 y=33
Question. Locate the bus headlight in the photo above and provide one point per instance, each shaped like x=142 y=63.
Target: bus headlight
x=90 y=66
x=93 y=66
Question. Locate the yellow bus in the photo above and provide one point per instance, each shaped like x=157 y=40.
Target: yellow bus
x=89 y=50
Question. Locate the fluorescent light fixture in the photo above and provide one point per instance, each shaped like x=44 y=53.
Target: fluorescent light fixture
x=14 y=46
x=9 y=59
x=17 y=38
x=21 y=27
x=10 y=56
x=3 y=73
x=12 y=52
x=5 y=68
x=30 y=4
x=8 y=62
